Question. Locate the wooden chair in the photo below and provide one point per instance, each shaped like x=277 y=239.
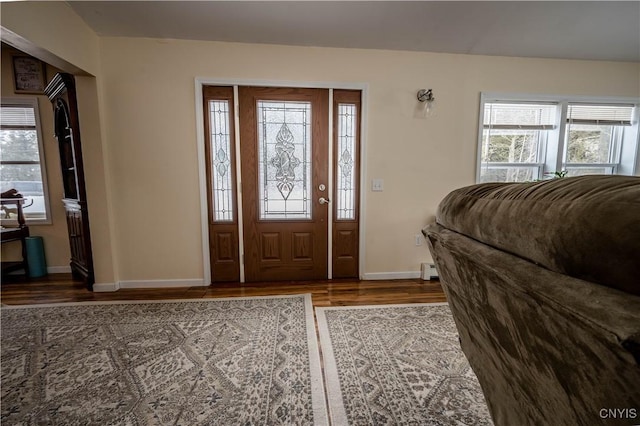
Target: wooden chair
x=14 y=232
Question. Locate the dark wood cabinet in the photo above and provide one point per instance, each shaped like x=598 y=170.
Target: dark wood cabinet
x=62 y=93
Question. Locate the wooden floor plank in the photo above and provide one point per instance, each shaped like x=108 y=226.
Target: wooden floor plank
x=59 y=288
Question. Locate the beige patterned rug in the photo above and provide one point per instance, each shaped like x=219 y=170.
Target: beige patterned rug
x=240 y=361
x=397 y=365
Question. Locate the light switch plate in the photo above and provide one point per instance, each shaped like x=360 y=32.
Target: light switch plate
x=377 y=185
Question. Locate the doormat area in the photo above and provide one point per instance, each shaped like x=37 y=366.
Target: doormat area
x=397 y=365
x=191 y=362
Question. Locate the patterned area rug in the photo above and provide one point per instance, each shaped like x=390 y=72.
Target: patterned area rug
x=240 y=361
x=397 y=365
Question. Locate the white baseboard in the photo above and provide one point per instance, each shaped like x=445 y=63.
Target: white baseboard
x=391 y=275
x=105 y=287
x=195 y=282
x=59 y=269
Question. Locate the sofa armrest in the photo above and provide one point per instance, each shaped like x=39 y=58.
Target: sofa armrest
x=547 y=348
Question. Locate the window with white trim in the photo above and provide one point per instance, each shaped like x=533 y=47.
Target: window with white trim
x=525 y=138
x=513 y=138
x=594 y=136
x=22 y=158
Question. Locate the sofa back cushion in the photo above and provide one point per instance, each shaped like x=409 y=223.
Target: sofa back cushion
x=587 y=227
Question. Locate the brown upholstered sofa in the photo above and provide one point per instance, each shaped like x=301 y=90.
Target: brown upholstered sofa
x=543 y=280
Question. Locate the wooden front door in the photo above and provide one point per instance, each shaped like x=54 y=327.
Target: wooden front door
x=284 y=152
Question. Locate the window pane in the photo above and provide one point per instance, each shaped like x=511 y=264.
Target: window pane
x=510 y=146
x=346 y=182
x=27 y=179
x=590 y=144
x=20 y=158
x=19 y=145
x=221 y=170
x=598 y=136
x=284 y=160
x=508 y=174
x=581 y=171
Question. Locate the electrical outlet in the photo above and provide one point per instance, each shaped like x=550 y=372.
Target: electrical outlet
x=418 y=239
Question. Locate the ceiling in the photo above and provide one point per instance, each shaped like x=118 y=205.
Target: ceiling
x=596 y=30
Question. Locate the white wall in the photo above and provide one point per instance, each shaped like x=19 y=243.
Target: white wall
x=54 y=33
x=55 y=236
x=150 y=120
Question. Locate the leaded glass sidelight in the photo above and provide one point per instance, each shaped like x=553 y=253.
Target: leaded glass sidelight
x=284 y=160
x=221 y=171
x=346 y=179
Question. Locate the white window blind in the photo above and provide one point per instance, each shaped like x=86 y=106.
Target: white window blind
x=612 y=115
x=17 y=116
x=525 y=116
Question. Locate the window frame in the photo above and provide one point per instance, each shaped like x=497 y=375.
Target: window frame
x=542 y=136
x=617 y=137
x=33 y=103
x=553 y=152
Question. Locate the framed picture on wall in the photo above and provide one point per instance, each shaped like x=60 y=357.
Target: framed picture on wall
x=28 y=74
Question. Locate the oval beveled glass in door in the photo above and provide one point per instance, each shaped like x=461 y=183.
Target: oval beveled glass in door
x=284 y=159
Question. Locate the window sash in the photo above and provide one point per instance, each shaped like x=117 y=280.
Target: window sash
x=494 y=164
x=621 y=113
x=513 y=168
x=22 y=114
x=575 y=169
x=534 y=118
x=539 y=137
x=615 y=140
x=589 y=165
x=519 y=126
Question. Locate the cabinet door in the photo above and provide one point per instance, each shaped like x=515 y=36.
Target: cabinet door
x=80 y=256
x=61 y=92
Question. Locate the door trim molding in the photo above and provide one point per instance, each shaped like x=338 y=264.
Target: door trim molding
x=364 y=126
x=199 y=82
x=330 y=183
x=239 y=200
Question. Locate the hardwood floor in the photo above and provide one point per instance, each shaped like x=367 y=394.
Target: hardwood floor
x=58 y=288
